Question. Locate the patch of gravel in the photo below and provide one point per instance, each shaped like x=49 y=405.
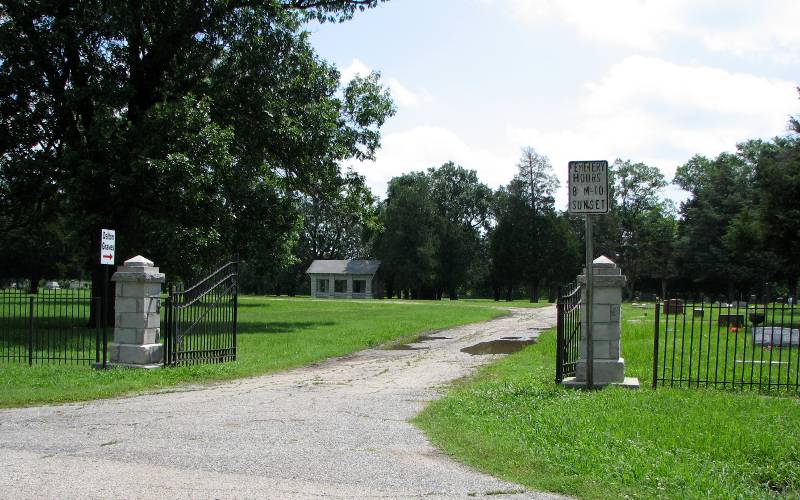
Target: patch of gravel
x=335 y=429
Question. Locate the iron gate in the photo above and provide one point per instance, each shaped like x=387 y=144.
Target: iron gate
x=201 y=320
x=568 y=329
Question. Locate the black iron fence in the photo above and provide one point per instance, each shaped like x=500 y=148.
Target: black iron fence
x=568 y=327
x=200 y=321
x=51 y=326
x=727 y=345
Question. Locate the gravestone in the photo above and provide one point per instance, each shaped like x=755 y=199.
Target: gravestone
x=731 y=320
x=698 y=313
x=775 y=336
x=673 y=306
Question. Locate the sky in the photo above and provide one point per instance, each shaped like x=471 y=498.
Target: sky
x=475 y=81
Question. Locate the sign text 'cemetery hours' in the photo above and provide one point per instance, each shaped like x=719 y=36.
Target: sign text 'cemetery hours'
x=588 y=187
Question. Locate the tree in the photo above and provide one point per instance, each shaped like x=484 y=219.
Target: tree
x=536 y=184
x=189 y=127
x=463 y=204
x=777 y=220
x=508 y=241
x=432 y=225
x=707 y=253
x=409 y=244
x=639 y=208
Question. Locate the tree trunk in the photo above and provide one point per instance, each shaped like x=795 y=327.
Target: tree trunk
x=508 y=293
x=533 y=290
x=34 y=279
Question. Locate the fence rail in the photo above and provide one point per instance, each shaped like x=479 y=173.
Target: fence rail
x=726 y=346
x=201 y=320
x=568 y=328
x=51 y=326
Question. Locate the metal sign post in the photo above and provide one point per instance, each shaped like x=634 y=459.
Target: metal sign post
x=589 y=299
x=108 y=243
x=588 y=195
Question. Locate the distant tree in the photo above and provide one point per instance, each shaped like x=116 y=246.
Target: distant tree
x=409 y=244
x=536 y=184
x=463 y=203
x=638 y=208
x=431 y=230
x=508 y=245
x=708 y=247
x=776 y=218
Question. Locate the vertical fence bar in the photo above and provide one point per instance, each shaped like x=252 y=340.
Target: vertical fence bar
x=655 y=347
x=30 y=330
x=235 y=306
x=168 y=329
x=98 y=330
x=559 y=337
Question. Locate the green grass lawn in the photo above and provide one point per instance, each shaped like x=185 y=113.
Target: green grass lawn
x=274 y=334
x=514 y=422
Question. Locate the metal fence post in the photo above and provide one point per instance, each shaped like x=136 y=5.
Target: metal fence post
x=655 y=347
x=235 y=303
x=559 y=339
x=97 y=337
x=30 y=331
x=168 y=333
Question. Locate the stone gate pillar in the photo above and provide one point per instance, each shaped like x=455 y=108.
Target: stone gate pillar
x=137 y=320
x=609 y=366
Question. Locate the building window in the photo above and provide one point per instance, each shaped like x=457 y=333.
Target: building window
x=322 y=286
x=340 y=286
x=359 y=286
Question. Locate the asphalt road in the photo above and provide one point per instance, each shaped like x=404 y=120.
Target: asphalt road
x=335 y=429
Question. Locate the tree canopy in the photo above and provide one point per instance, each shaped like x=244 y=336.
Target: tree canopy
x=190 y=127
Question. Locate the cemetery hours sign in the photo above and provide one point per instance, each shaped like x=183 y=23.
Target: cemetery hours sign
x=108 y=241
x=588 y=187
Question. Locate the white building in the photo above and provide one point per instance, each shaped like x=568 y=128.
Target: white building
x=345 y=279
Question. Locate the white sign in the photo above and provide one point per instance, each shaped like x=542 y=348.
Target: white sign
x=108 y=240
x=588 y=187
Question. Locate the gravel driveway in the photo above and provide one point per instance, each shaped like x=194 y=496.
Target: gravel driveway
x=335 y=429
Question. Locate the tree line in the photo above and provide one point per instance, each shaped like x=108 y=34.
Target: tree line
x=444 y=233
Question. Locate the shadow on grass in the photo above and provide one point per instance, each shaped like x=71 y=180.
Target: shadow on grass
x=278 y=327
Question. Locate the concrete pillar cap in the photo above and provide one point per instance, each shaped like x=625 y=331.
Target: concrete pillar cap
x=138 y=261
x=603 y=261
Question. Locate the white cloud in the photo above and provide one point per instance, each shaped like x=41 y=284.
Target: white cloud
x=356 y=68
x=740 y=27
x=651 y=110
x=428 y=146
x=402 y=95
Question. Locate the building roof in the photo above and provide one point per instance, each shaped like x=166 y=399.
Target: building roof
x=344 y=267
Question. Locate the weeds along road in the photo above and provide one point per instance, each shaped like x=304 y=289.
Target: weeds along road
x=335 y=429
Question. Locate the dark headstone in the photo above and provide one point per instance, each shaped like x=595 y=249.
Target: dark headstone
x=731 y=320
x=673 y=306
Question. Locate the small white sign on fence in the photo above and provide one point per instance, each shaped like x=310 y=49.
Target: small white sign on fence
x=108 y=240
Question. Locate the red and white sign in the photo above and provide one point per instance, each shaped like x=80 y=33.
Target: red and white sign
x=108 y=240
